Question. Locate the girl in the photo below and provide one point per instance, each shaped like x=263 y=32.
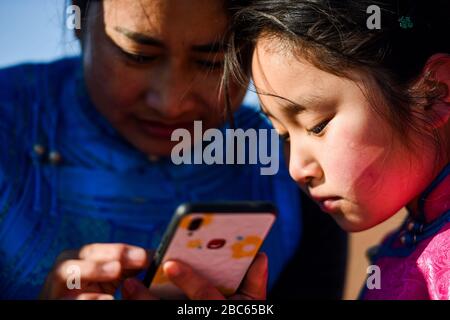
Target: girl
x=86 y=177
x=364 y=113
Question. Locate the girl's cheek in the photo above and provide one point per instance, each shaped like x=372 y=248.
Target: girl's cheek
x=352 y=161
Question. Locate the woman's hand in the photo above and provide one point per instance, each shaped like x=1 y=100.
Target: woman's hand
x=102 y=268
x=254 y=285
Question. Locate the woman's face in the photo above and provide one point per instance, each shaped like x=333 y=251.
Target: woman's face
x=341 y=152
x=152 y=66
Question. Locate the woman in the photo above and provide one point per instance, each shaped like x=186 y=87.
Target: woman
x=85 y=163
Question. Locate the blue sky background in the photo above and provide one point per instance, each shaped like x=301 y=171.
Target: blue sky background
x=34 y=30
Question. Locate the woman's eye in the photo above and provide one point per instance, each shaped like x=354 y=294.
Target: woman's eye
x=137 y=58
x=316 y=130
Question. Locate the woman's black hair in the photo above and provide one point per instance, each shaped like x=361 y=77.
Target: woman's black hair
x=230 y=5
x=334 y=36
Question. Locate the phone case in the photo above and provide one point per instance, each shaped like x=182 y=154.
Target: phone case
x=221 y=247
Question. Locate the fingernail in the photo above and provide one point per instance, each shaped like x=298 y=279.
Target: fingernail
x=105 y=297
x=136 y=254
x=172 y=269
x=129 y=286
x=111 y=267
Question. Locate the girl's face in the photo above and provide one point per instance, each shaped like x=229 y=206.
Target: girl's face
x=152 y=66
x=340 y=151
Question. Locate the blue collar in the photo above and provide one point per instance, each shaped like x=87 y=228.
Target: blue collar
x=443 y=177
x=424 y=225
x=414 y=230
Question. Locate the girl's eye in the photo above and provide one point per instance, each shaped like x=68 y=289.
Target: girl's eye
x=316 y=130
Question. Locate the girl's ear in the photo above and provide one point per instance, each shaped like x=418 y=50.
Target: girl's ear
x=439 y=66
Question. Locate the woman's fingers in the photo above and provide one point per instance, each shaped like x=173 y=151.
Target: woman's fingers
x=194 y=286
x=134 y=290
x=99 y=267
x=130 y=257
x=87 y=271
x=73 y=277
x=105 y=265
x=89 y=296
x=254 y=285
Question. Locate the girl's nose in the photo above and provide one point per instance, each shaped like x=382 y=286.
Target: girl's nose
x=304 y=170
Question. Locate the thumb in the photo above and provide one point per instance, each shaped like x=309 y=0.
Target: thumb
x=254 y=285
x=133 y=289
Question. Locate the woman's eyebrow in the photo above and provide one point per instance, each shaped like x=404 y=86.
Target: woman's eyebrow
x=213 y=47
x=139 y=37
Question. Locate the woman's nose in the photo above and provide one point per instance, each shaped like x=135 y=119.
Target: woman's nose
x=170 y=107
x=172 y=96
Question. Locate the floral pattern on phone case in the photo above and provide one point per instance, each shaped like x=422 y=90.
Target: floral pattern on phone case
x=218 y=246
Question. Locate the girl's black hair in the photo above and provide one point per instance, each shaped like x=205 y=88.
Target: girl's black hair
x=334 y=36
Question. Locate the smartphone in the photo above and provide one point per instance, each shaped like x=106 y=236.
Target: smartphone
x=218 y=240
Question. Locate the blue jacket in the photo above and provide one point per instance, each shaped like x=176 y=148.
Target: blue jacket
x=67 y=178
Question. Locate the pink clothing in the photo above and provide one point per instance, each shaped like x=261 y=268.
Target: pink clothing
x=424 y=274
x=414 y=262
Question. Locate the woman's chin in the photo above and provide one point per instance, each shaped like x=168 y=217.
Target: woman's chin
x=163 y=149
x=154 y=147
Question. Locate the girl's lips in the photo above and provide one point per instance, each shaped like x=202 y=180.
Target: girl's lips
x=162 y=130
x=329 y=205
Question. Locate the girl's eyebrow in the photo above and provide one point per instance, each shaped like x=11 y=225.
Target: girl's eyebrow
x=292 y=108
x=288 y=105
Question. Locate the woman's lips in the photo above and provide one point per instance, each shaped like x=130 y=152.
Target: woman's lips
x=162 y=130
